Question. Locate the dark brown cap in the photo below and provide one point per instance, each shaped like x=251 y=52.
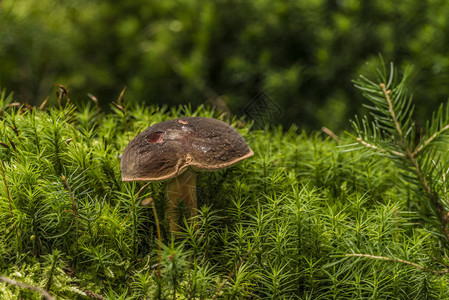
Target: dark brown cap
x=164 y=150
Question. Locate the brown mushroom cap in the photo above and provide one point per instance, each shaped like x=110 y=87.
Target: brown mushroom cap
x=164 y=150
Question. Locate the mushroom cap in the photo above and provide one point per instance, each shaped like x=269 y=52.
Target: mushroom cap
x=166 y=149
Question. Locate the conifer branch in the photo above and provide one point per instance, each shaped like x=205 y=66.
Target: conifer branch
x=432 y=196
x=411 y=155
x=390 y=107
x=41 y=291
x=366 y=144
x=395 y=116
x=439 y=272
x=430 y=139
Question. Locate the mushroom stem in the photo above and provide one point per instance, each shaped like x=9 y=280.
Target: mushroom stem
x=181 y=191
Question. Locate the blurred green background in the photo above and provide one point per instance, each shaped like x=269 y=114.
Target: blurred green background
x=301 y=54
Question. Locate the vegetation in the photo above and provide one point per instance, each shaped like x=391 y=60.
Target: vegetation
x=309 y=216
x=182 y=51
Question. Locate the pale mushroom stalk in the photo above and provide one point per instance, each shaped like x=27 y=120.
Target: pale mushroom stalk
x=181 y=192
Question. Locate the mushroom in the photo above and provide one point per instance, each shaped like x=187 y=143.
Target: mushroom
x=175 y=150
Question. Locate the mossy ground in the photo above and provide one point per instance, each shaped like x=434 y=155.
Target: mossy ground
x=276 y=226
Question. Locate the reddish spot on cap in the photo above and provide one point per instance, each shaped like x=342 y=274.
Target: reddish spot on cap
x=155 y=137
x=183 y=122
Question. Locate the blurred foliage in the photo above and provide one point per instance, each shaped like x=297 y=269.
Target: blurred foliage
x=303 y=54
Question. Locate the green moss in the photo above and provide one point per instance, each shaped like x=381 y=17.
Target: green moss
x=277 y=225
